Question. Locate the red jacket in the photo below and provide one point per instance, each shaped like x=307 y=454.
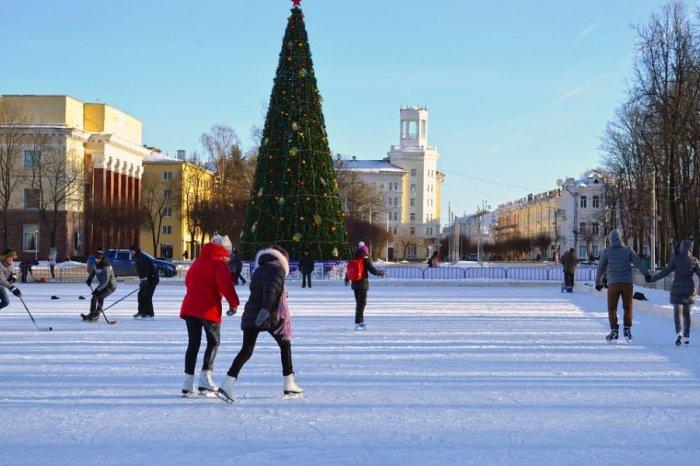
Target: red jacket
x=207 y=280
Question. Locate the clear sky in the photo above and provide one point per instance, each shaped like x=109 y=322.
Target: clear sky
x=519 y=92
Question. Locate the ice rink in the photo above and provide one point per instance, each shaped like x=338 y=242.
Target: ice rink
x=443 y=375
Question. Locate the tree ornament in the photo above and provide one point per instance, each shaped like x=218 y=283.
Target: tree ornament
x=296 y=238
x=317 y=219
x=293 y=152
x=302 y=73
x=295 y=126
x=260 y=192
x=335 y=252
x=296 y=3
x=280 y=201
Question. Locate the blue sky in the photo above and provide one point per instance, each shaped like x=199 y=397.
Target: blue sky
x=519 y=92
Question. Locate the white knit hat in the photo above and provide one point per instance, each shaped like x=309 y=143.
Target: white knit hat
x=223 y=241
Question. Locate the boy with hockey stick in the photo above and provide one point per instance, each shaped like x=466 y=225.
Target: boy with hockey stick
x=207 y=280
x=682 y=294
x=106 y=285
x=7 y=277
x=358 y=272
x=267 y=310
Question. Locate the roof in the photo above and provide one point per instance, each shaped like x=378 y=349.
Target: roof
x=160 y=157
x=371 y=166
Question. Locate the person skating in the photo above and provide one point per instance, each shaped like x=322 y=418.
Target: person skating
x=7 y=277
x=149 y=278
x=306 y=267
x=235 y=266
x=434 y=260
x=616 y=264
x=682 y=294
x=106 y=285
x=267 y=310
x=53 y=256
x=569 y=262
x=207 y=280
x=358 y=272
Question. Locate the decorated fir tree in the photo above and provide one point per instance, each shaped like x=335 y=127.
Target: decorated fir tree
x=295 y=200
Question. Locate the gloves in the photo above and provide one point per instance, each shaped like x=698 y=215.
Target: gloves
x=88 y=282
x=12 y=278
x=598 y=287
x=232 y=311
x=647 y=278
x=16 y=292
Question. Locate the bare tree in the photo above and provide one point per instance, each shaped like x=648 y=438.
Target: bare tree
x=11 y=174
x=158 y=199
x=56 y=180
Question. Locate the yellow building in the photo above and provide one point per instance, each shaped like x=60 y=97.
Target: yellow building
x=79 y=161
x=170 y=190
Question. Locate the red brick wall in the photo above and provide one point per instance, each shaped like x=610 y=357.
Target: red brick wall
x=68 y=224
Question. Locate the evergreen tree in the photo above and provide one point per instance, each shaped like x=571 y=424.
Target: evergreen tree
x=294 y=201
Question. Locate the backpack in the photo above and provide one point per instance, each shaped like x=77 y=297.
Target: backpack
x=356 y=270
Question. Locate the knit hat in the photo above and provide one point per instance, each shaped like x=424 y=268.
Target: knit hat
x=363 y=247
x=222 y=241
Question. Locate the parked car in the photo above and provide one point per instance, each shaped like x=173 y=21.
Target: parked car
x=124 y=267
x=472 y=256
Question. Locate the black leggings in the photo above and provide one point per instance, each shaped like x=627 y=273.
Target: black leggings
x=250 y=336
x=194 y=333
x=360 y=303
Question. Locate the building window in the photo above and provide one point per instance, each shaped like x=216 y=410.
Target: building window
x=388 y=202
x=31 y=198
x=396 y=230
x=412 y=251
x=595 y=250
x=582 y=228
x=595 y=229
x=584 y=202
x=413 y=172
x=582 y=251
x=391 y=187
x=32 y=158
x=596 y=202
x=167 y=212
x=413 y=231
x=166 y=251
x=429 y=231
x=167 y=176
x=396 y=186
x=166 y=194
x=167 y=229
x=413 y=202
x=413 y=217
x=30 y=237
x=413 y=188
x=396 y=202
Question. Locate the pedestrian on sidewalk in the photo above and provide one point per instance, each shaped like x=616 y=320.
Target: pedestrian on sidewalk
x=25 y=268
x=7 y=277
x=306 y=267
x=106 y=285
x=235 y=266
x=616 y=264
x=149 y=278
x=267 y=310
x=53 y=256
x=682 y=294
x=207 y=281
x=569 y=262
x=357 y=273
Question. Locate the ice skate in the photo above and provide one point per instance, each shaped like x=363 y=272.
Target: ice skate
x=188 y=386
x=147 y=317
x=206 y=385
x=679 y=340
x=612 y=336
x=686 y=341
x=91 y=317
x=225 y=391
x=361 y=326
x=628 y=334
x=291 y=389
x=138 y=316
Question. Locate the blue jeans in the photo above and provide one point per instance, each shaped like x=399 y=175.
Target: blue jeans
x=4 y=300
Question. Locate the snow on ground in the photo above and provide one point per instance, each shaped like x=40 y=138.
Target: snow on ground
x=444 y=375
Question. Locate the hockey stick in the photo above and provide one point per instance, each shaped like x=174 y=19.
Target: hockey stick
x=41 y=329
x=120 y=299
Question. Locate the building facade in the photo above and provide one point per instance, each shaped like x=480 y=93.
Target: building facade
x=82 y=161
x=411 y=185
x=181 y=184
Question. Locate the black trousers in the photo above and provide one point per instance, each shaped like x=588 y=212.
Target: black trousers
x=568 y=279
x=194 y=335
x=240 y=280
x=305 y=277
x=360 y=303
x=98 y=299
x=145 y=298
x=250 y=337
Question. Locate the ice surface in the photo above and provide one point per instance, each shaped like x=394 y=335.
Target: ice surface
x=443 y=375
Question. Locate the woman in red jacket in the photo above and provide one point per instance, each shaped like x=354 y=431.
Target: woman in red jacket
x=207 y=280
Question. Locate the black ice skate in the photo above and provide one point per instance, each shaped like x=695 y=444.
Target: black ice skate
x=628 y=334
x=612 y=336
x=679 y=340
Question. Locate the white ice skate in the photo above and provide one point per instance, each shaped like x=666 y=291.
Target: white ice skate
x=206 y=386
x=361 y=326
x=291 y=389
x=188 y=386
x=225 y=391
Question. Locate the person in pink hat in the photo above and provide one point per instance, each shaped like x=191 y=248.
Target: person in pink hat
x=357 y=273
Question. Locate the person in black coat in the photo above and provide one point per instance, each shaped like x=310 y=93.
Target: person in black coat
x=306 y=267
x=361 y=287
x=265 y=311
x=149 y=278
x=235 y=266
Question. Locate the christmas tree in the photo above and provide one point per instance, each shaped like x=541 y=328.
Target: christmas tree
x=295 y=202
